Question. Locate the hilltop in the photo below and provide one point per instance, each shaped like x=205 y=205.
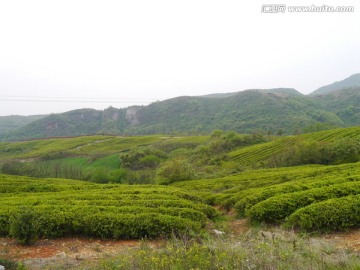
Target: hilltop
x=282 y=111
x=14 y=122
x=272 y=111
x=352 y=81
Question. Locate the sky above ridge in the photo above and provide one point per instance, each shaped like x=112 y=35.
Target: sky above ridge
x=57 y=56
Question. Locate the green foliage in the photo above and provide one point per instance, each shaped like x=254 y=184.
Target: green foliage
x=142 y=158
x=31 y=208
x=250 y=251
x=23 y=225
x=9 y=264
x=271 y=111
x=324 y=147
x=99 y=175
x=273 y=195
x=336 y=152
x=118 y=176
x=14 y=122
x=246 y=199
x=329 y=215
x=277 y=208
x=175 y=170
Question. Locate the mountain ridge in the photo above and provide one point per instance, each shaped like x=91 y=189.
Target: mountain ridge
x=274 y=111
x=278 y=110
x=352 y=81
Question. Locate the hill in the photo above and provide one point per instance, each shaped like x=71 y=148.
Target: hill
x=352 y=81
x=14 y=122
x=345 y=103
x=192 y=212
x=224 y=169
x=274 y=111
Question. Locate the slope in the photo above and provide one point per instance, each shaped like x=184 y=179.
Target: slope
x=352 y=81
x=345 y=103
x=274 y=111
x=14 y=122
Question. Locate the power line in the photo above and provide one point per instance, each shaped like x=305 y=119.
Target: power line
x=71 y=99
x=81 y=99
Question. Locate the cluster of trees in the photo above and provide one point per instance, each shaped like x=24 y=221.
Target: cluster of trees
x=337 y=152
x=175 y=162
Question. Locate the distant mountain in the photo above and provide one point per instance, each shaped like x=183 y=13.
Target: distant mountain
x=72 y=123
x=352 y=81
x=14 y=122
x=246 y=111
x=280 y=110
x=345 y=103
x=277 y=111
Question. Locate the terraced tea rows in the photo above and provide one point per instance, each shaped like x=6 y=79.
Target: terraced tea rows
x=259 y=155
x=88 y=145
x=108 y=211
x=289 y=195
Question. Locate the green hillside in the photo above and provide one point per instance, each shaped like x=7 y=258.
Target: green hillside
x=272 y=154
x=352 y=81
x=14 y=122
x=273 y=111
x=164 y=159
x=225 y=169
x=277 y=111
x=344 y=103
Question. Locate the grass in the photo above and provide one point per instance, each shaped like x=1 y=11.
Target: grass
x=256 y=249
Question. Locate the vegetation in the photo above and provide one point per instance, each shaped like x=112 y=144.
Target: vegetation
x=325 y=147
x=14 y=122
x=166 y=185
x=274 y=111
x=352 y=81
x=129 y=160
x=280 y=195
x=344 y=102
x=253 y=174
x=328 y=215
x=253 y=250
x=107 y=211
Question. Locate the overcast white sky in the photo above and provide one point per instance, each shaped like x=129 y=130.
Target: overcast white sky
x=57 y=56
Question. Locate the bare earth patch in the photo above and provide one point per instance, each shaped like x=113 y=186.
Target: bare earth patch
x=65 y=251
x=345 y=240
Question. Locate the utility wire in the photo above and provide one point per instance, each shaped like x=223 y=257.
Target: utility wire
x=70 y=99
x=77 y=98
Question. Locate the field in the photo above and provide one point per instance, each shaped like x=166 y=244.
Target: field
x=294 y=195
x=177 y=183
x=261 y=155
x=58 y=208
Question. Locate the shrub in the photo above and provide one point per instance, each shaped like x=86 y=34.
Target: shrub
x=330 y=215
x=277 y=208
x=23 y=226
x=175 y=170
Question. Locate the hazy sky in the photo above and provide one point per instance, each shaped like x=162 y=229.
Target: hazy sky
x=57 y=56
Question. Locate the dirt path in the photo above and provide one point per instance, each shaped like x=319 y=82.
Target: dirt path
x=65 y=251
x=345 y=240
x=92 y=143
